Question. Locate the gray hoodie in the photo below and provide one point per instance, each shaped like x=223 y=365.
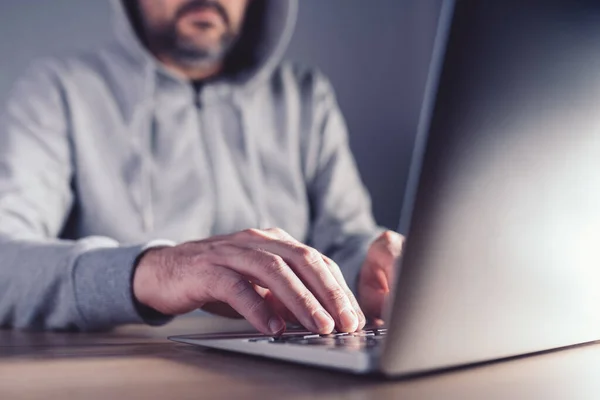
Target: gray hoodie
x=104 y=153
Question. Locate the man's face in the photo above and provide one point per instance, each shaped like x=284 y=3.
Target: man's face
x=192 y=31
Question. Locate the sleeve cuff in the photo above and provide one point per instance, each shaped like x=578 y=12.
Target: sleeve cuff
x=103 y=287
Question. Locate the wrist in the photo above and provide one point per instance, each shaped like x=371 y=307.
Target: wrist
x=145 y=280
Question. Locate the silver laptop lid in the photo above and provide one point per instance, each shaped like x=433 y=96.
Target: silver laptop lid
x=503 y=205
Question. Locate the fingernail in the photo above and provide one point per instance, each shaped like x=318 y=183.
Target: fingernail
x=362 y=320
x=276 y=326
x=349 y=319
x=323 y=321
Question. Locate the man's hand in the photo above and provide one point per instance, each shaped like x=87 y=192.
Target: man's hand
x=377 y=273
x=262 y=275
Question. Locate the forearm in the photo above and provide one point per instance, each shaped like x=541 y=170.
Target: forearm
x=67 y=285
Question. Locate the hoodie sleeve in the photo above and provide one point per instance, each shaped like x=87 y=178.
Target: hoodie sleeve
x=342 y=223
x=46 y=283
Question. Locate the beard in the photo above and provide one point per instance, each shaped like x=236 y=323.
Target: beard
x=186 y=49
x=187 y=52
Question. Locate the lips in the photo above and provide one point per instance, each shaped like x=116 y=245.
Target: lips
x=204 y=12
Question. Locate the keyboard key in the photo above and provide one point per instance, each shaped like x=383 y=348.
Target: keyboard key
x=337 y=340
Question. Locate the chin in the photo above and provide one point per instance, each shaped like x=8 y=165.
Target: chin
x=193 y=56
x=201 y=43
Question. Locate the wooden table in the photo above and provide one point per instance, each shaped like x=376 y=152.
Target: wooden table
x=138 y=362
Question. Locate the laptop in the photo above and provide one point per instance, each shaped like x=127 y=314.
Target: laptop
x=502 y=206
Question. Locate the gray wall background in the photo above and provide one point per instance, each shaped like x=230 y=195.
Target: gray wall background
x=375 y=52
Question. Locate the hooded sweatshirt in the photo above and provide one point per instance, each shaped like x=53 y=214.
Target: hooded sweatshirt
x=106 y=153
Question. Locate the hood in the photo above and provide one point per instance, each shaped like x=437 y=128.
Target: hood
x=266 y=34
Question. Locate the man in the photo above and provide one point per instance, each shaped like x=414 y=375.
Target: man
x=187 y=128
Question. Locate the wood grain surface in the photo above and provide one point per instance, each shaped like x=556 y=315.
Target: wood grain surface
x=138 y=362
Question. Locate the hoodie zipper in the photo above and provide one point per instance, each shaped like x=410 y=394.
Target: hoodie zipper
x=257 y=186
x=203 y=131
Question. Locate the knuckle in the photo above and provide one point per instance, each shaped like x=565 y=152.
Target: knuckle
x=278 y=231
x=255 y=305
x=335 y=269
x=388 y=236
x=304 y=299
x=229 y=249
x=237 y=287
x=336 y=294
x=275 y=265
x=224 y=286
x=310 y=256
x=393 y=250
x=195 y=260
x=392 y=241
x=332 y=264
x=253 y=232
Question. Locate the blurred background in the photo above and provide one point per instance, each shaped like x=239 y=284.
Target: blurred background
x=375 y=52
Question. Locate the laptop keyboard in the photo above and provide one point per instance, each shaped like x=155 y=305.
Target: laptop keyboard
x=367 y=339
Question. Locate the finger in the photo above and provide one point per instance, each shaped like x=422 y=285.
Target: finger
x=382 y=278
x=384 y=254
x=280 y=233
x=337 y=273
x=233 y=289
x=276 y=305
x=374 y=299
x=312 y=269
x=384 y=270
x=309 y=265
x=392 y=241
x=271 y=271
x=377 y=322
